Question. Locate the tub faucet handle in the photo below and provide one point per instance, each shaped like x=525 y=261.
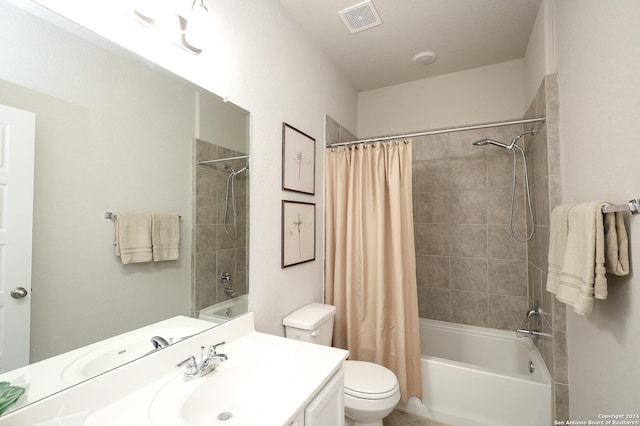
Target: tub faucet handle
x=536 y=312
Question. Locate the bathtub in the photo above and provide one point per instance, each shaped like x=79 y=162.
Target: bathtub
x=224 y=311
x=473 y=376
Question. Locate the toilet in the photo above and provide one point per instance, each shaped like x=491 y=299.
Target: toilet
x=371 y=391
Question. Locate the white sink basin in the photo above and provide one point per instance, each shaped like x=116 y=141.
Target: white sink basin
x=245 y=387
x=118 y=351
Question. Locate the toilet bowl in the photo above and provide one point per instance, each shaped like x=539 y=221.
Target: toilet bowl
x=371 y=391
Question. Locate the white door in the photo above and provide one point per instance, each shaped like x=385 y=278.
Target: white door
x=17 y=136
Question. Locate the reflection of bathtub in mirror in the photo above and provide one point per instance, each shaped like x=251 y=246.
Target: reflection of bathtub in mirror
x=59 y=372
x=224 y=311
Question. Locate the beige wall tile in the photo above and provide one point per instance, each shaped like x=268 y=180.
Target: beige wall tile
x=468 y=174
x=462 y=144
x=562 y=402
x=432 y=175
x=507 y=277
x=432 y=239
x=432 y=271
x=433 y=303
x=431 y=147
x=468 y=274
x=431 y=207
x=507 y=312
x=560 y=357
x=469 y=308
x=502 y=246
x=468 y=240
x=468 y=207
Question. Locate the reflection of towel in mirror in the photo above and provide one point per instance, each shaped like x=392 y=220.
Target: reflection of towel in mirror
x=165 y=235
x=132 y=237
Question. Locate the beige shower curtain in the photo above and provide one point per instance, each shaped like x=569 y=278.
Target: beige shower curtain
x=370 y=258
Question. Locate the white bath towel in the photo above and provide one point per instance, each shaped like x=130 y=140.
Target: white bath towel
x=583 y=268
x=557 y=245
x=132 y=237
x=166 y=236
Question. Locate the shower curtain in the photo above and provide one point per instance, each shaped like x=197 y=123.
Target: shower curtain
x=370 y=258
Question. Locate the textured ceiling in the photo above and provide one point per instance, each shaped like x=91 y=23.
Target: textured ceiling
x=464 y=33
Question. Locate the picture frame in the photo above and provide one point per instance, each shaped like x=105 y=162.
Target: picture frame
x=298 y=232
x=298 y=161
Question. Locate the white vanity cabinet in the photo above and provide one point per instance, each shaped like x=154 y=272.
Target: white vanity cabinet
x=327 y=408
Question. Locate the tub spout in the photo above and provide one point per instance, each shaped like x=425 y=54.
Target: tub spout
x=523 y=332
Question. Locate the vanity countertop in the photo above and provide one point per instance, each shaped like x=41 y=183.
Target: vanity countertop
x=266 y=380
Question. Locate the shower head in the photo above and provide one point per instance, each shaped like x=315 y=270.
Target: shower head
x=528 y=132
x=513 y=143
x=483 y=142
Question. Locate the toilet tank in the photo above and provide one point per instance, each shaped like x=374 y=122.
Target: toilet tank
x=311 y=323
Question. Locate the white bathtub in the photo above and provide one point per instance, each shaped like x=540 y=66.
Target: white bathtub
x=224 y=311
x=474 y=376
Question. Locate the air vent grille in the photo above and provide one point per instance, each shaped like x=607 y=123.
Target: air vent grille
x=360 y=17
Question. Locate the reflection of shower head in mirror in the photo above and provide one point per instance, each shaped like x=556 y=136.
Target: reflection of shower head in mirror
x=233 y=171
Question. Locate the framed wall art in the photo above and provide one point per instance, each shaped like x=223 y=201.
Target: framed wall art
x=298 y=232
x=298 y=161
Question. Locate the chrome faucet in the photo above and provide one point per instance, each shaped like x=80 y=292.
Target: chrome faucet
x=159 y=342
x=536 y=312
x=193 y=369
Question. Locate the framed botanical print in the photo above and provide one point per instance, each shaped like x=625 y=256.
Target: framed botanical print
x=298 y=232
x=298 y=160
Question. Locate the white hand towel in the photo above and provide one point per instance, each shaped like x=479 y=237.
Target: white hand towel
x=166 y=236
x=616 y=248
x=583 y=265
x=557 y=245
x=132 y=237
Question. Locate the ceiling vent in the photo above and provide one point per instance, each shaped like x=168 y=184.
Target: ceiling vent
x=360 y=17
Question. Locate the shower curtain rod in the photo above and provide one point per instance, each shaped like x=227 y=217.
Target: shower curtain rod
x=222 y=159
x=439 y=131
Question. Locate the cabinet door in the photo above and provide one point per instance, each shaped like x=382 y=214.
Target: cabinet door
x=327 y=408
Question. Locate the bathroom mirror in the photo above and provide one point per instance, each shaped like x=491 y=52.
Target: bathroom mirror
x=114 y=132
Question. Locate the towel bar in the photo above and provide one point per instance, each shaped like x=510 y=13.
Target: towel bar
x=633 y=206
x=111 y=215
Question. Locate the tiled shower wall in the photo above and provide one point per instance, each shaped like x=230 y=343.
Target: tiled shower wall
x=213 y=251
x=469 y=269
x=544 y=159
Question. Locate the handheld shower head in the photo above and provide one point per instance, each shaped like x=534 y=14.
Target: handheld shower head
x=514 y=140
x=483 y=142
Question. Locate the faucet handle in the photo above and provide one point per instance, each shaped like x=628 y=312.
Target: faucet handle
x=212 y=348
x=191 y=365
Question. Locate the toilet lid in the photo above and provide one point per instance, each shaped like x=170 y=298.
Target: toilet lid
x=368 y=380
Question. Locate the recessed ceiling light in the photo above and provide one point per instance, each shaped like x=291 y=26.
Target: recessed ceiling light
x=424 y=58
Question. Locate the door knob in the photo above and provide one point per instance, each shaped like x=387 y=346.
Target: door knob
x=19 y=292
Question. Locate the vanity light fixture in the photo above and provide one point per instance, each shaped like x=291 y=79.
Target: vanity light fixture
x=187 y=30
x=196 y=33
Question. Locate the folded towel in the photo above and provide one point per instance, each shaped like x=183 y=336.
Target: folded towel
x=165 y=235
x=583 y=271
x=132 y=237
x=617 y=244
x=557 y=245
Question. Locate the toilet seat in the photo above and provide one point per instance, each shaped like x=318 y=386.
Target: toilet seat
x=367 y=380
